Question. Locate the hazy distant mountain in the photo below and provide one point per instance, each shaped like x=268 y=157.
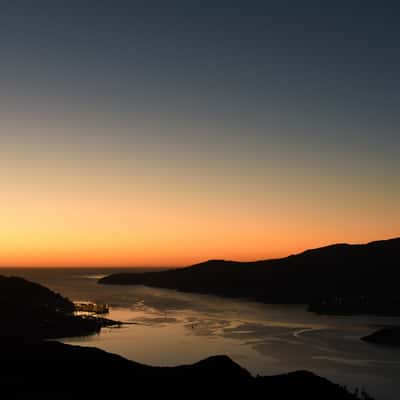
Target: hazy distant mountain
x=347 y=271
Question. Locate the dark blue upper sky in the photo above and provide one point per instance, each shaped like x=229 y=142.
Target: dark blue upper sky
x=336 y=58
x=289 y=99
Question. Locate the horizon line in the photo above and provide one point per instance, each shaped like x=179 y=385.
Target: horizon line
x=186 y=265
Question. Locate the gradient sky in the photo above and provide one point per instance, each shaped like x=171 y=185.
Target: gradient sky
x=175 y=132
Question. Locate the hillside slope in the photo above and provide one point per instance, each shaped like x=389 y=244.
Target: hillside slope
x=343 y=270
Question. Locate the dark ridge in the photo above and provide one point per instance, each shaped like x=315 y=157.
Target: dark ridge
x=385 y=336
x=350 y=273
x=28 y=366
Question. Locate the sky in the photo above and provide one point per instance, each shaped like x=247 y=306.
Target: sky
x=166 y=133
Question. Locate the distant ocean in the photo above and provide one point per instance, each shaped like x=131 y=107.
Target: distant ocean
x=75 y=283
x=170 y=328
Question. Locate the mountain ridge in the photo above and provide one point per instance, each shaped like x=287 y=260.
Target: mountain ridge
x=340 y=269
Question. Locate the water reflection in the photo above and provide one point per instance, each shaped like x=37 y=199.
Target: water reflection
x=175 y=328
x=170 y=328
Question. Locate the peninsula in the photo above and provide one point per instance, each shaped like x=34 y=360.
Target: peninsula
x=340 y=278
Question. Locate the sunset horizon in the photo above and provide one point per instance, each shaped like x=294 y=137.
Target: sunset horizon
x=132 y=137
x=195 y=260
x=200 y=194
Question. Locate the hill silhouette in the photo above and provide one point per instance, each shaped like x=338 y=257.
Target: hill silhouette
x=41 y=366
x=30 y=309
x=26 y=295
x=348 y=274
x=389 y=336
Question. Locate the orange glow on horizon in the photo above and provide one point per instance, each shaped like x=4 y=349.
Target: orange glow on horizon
x=128 y=230
x=94 y=214
x=53 y=256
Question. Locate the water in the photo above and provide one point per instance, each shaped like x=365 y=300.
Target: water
x=170 y=328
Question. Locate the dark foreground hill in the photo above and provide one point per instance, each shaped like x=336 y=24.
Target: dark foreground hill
x=54 y=367
x=351 y=273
